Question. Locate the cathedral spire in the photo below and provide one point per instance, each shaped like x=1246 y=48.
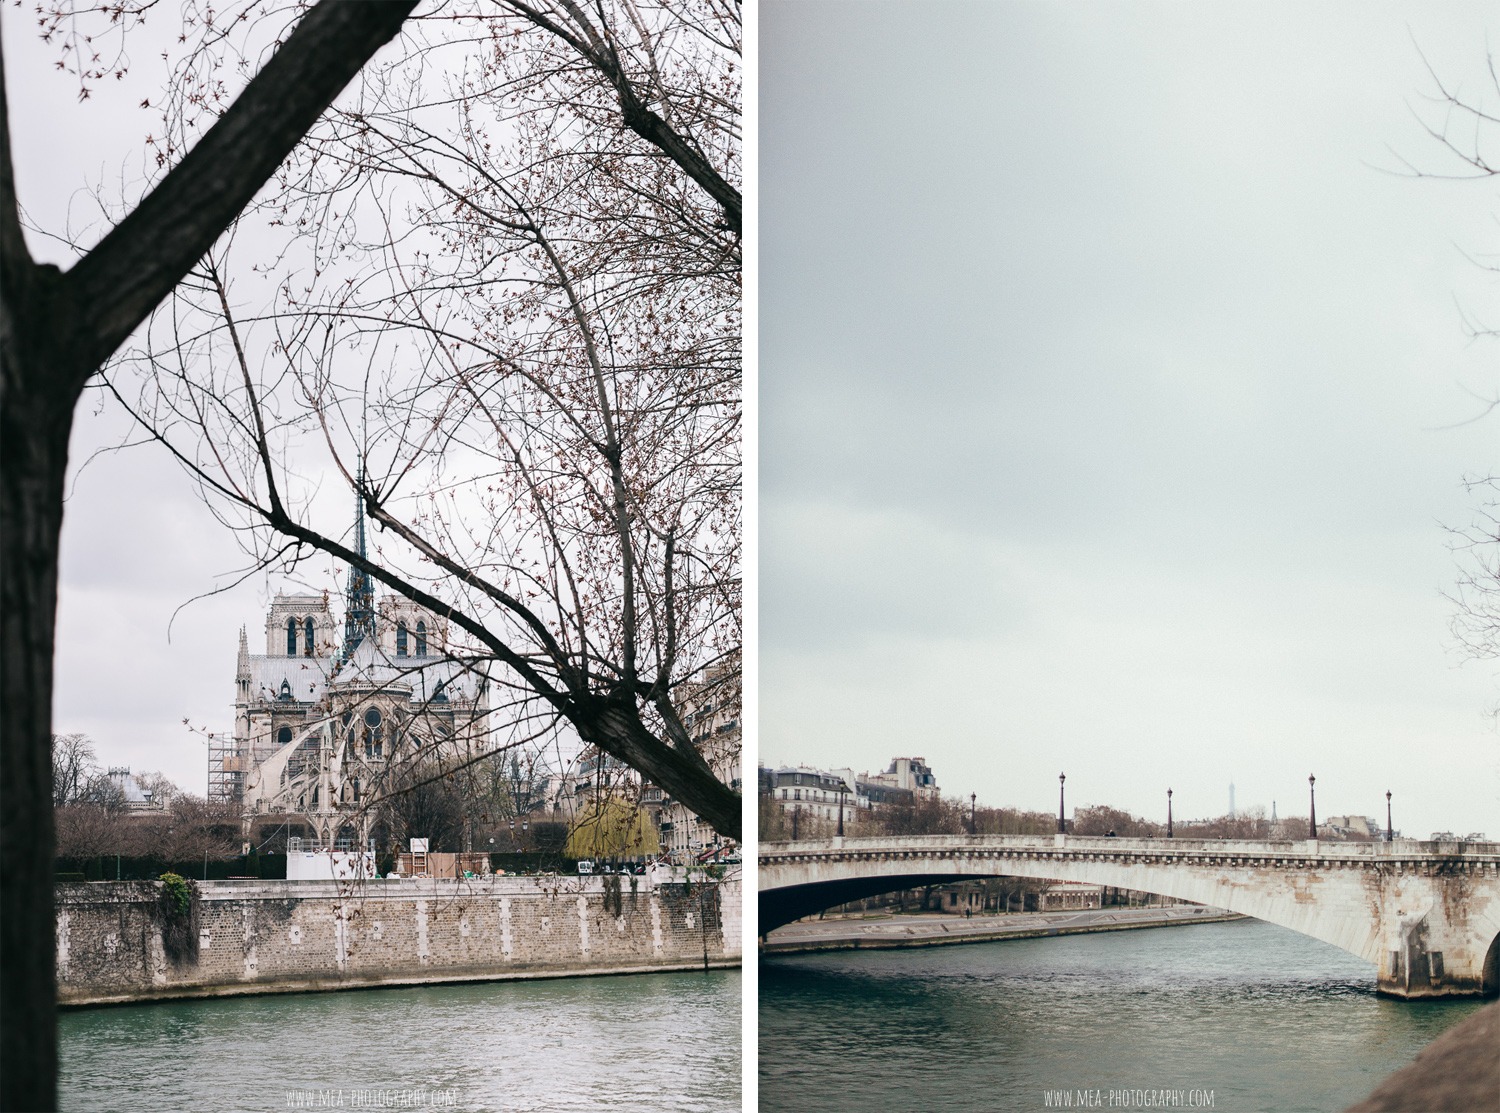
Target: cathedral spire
x=359 y=601
x=242 y=666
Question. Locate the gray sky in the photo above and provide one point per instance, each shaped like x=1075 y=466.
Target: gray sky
x=1103 y=389
x=142 y=655
x=137 y=543
x=1103 y=384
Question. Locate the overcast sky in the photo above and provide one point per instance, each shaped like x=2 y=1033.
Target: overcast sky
x=1107 y=394
x=138 y=546
x=136 y=543
x=1106 y=384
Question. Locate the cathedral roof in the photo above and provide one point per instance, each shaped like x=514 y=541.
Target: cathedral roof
x=310 y=678
x=361 y=664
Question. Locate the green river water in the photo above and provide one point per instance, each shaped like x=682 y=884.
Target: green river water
x=1238 y=1017
x=639 y=1042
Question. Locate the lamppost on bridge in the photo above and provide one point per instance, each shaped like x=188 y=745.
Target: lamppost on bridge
x=1312 y=804
x=1390 y=835
x=973 y=830
x=796 y=812
x=1062 y=824
x=843 y=788
x=1169 y=813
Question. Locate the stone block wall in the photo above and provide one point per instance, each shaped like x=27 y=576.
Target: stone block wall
x=114 y=942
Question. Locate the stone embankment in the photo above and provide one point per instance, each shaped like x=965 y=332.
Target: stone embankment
x=1459 y=1072
x=884 y=932
x=120 y=942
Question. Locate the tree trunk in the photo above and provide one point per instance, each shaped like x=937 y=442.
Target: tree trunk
x=38 y=394
x=616 y=728
x=55 y=330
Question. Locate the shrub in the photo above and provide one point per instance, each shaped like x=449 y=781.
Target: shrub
x=177 y=896
x=179 y=918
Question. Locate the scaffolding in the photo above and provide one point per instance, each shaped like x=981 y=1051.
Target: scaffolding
x=226 y=771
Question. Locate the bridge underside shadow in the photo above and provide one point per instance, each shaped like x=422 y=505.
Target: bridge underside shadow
x=779 y=907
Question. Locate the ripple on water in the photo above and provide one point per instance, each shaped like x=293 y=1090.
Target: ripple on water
x=650 y=1041
x=1265 y=1018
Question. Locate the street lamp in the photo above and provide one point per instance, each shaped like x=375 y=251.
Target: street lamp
x=973 y=830
x=1062 y=825
x=843 y=788
x=796 y=811
x=1312 y=815
x=1390 y=835
x=1169 y=813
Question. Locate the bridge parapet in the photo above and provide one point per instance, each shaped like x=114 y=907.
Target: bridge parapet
x=1311 y=849
x=1427 y=914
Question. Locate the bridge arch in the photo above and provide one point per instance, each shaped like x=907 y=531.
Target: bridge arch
x=1423 y=914
x=789 y=903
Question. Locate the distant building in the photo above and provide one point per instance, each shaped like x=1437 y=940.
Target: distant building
x=1351 y=826
x=906 y=774
x=1450 y=836
x=883 y=795
x=319 y=719
x=710 y=710
x=1063 y=895
x=133 y=793
x=817 y=794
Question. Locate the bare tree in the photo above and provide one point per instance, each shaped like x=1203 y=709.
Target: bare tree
x=56 y=329
x=73 y=765
x=1100 y=819
x=89 y=829
x=512 y=329
x=191 y=829
x=925 y=816
x=1466 y=130
x=425 y=804
x=161 y=790
x=773 y=822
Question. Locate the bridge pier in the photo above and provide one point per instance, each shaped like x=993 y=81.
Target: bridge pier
x=1431 y=947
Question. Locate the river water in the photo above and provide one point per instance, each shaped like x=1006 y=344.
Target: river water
x=638 y=1042
x=1240 y=1016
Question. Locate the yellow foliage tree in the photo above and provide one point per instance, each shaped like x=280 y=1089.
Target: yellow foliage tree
x=612 y=828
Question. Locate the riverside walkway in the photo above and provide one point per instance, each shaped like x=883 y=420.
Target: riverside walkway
x=927 y=930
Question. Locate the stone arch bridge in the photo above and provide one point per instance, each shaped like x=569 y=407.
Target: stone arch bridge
x=1426 y=914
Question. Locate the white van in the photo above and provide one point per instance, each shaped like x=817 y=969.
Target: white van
x=585 y=865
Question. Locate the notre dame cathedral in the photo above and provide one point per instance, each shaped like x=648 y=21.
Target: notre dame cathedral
x=322 y=722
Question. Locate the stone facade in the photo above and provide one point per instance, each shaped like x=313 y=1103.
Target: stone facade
x=317 y=728
x=115 y=944
x=711 y=713
x=1426 y=914
x=821 y=794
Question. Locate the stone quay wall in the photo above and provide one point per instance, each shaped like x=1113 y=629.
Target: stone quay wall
x=117 y=941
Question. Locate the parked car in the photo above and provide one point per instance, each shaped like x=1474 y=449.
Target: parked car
x=585 y=865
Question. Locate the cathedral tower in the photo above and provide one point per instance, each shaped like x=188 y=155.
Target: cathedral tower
x=359 y=616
